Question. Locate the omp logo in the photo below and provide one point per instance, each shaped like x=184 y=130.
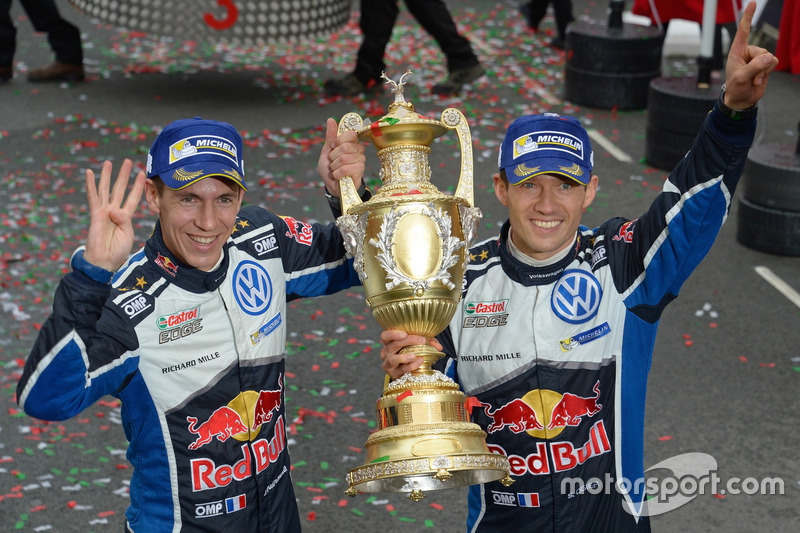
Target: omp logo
x=576 y=297
x=265 y=244
x=252 y=288
x=136 y=305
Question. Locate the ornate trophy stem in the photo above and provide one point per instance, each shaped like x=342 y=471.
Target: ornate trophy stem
x=429 y=356
x=410 y=247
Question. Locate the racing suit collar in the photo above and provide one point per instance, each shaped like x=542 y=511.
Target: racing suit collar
x=177 y=272
x=527 y=274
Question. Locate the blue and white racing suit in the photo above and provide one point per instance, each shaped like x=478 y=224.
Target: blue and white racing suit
x=197 y=359
x=558 y=356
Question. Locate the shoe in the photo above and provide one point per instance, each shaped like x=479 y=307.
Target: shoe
x=457 y=78
x=557 y=43
x=348 y=85
x=57 y=71
x=6 y=73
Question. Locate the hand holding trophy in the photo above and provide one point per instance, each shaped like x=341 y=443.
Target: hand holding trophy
x=410 y=245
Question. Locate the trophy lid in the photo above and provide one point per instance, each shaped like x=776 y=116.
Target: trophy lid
x=401 y=125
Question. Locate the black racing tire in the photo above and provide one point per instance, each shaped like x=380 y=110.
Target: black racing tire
x=676 y=104
x=772 y=176
x=607 y=90
x=665 y=149
x=768 y=230
x=590 y=45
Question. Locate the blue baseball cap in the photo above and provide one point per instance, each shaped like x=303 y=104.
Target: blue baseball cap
x=189 y=150
x=546 y=144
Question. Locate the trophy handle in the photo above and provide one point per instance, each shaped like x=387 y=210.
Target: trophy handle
x=348 y=195
x=455 y=119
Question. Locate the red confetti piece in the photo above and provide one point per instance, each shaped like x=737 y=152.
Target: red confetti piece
x=767 y=365
x=437 y=506
x=471 y=402
x=665 y=437
x=688 y=343
x=402 y=396
x=312 y=515
x=105 y=514
x=72 y=504
x=38 y=508
x=342 y=503
x=743 y=359
x=719 y=496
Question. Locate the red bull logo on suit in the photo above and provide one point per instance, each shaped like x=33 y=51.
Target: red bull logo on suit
x=240 y=420
x=544 y=414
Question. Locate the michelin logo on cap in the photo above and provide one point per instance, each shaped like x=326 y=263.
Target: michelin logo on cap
x=203 y=144
x=548 y=140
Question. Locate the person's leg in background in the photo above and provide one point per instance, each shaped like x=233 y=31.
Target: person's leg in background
x=64 y=39
x=8 y=41
x=463 y=65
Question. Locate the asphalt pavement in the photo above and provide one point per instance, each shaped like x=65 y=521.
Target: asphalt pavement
x=725 y=375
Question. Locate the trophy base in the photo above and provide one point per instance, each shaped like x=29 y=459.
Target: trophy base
x=425 y=441
x=416 y=475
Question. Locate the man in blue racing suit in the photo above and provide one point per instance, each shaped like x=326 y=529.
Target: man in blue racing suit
x=555 y=331
x=190 y=331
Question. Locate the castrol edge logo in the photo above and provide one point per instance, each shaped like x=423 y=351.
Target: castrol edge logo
x=177 y=318
x=485 y=314
x=486 y=308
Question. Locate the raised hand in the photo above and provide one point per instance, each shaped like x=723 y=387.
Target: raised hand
x=111 y=235
x=748 y=68
x=342 y=155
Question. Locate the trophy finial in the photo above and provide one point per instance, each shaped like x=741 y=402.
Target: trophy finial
x=397 y=87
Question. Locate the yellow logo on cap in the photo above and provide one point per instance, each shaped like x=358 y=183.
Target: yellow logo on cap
x=233 y=174
x=183 y=175
x=523 y=170
x=575 y=170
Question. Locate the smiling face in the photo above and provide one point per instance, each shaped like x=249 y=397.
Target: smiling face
x=544 y=211
x=197 y=220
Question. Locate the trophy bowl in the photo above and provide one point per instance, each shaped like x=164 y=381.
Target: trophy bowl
x=410 y=244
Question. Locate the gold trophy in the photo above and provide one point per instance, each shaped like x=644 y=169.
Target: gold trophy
x=410 y=245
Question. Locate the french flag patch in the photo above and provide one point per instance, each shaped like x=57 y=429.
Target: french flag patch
x=528 y=499
x=237 y=503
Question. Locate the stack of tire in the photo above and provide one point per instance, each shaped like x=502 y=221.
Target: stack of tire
x=610 y=68
x=769 y=206
x=676 y=111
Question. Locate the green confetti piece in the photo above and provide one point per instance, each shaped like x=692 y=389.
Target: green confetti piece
x=333 y=342
x=300 y=463
x=428 y=523
x=796 y=368
x=357 y=512
x=324 y=465
x=380 y=459
x=406 y=519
